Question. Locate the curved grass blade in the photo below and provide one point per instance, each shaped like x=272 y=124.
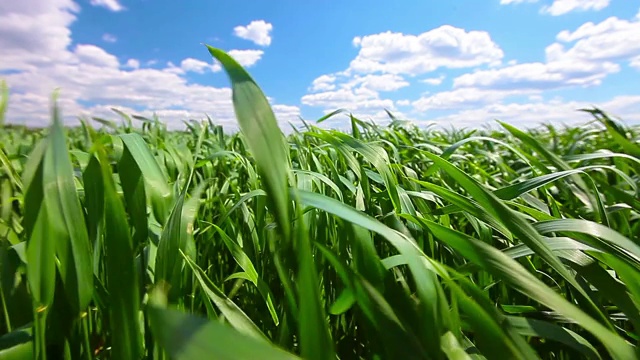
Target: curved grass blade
x=64 y=212
x=519 y=227
x=547 y=330
x=186 y=337
x=121 y=270
x=500 y=265
x=236 y=317
x=264 y=138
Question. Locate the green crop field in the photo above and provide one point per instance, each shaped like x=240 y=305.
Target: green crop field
x=129 y=241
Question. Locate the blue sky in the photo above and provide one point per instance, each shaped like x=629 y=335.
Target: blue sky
x=462 y=62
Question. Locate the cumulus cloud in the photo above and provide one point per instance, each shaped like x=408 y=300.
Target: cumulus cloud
x=92 y=80
x=323 y=83
x=584 y=57
x=112 y=5
x=358 y=93
x=446 y=46
x=257 y=31
x=195 y=65
x=386 y=61
x=246 y=58
x=561 y=7
x=464 y=98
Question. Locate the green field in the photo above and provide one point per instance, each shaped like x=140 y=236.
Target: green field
x=130 y=241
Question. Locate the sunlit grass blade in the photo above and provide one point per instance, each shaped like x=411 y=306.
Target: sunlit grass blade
x=264 y=138
x=64 y=211
x=122 y=277
x=157 y=185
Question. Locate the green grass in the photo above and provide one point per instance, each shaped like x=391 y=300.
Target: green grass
x=130 y=241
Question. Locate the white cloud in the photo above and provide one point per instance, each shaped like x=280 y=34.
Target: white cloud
x=96 y=56
x=359 y=94
x=194 y=65
x=446 y=46
x=112 y=5
x=246 y=58
x=35 y=33
x=403 y=102
x=323 y=83
x=610 y=40
x=635 y=62
x=360 y=99
x=257 y=31
x=384 y=58
x=584 y=57
x=463 y=98
x=561 y=7
x=538 y=76
x=91 y=80
x=133 y=64
x=433 y=81
x=109 y=38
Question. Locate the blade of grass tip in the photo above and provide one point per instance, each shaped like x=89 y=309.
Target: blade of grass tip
x=330 y=115
x=265 y=140
x=617 y=135
x=156 y=183
x=122 y=279
x=66 y=219
x=132 y=183
x=187 y=337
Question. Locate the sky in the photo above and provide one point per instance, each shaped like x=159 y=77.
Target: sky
x=461 y=63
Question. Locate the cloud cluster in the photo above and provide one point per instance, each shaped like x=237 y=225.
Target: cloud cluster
x=386 y=62
x=38 y=56
x=583 y=57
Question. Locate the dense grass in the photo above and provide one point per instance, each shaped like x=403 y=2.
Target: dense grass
x=395 y=242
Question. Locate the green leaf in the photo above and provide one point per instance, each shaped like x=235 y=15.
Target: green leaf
x=186 y=337
x=236 y=317
x=265 y=140
x=66 y=219
x=121 y=270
